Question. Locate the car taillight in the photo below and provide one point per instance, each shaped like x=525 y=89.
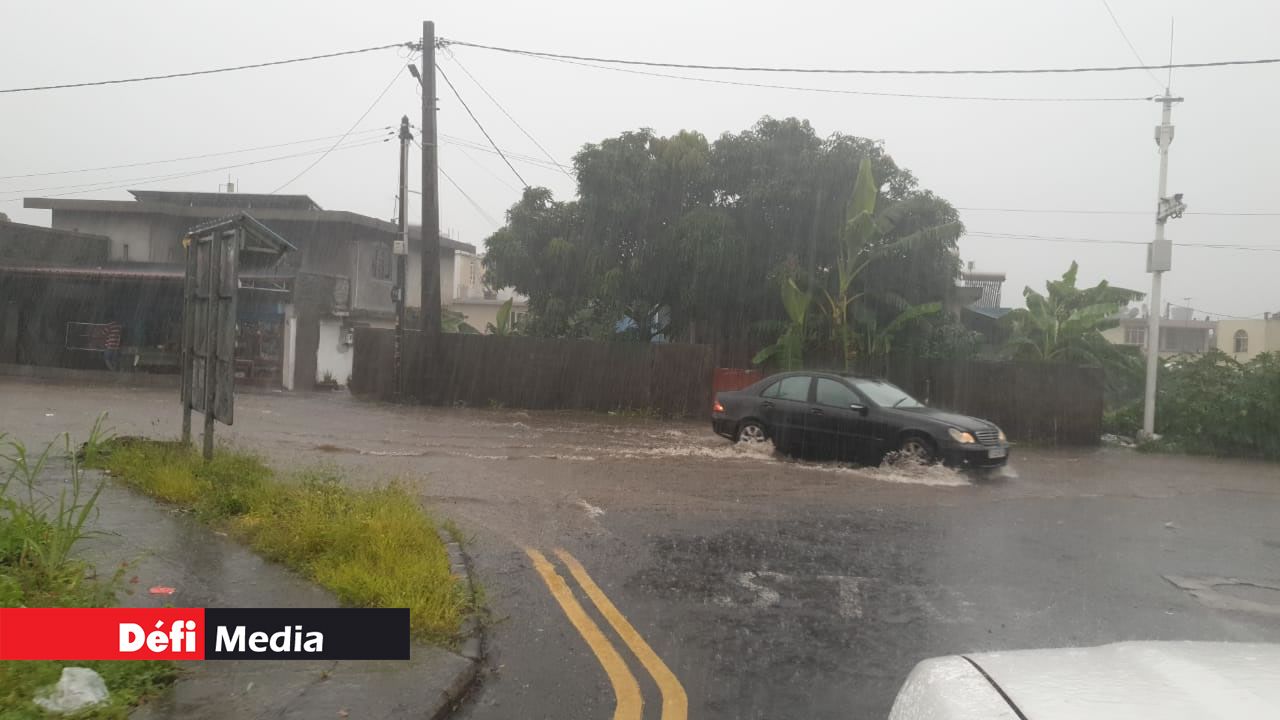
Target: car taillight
x=717 y=407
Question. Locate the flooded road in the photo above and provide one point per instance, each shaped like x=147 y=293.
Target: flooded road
x=770 y=588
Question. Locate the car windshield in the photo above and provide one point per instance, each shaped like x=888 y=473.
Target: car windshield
x=885 y=394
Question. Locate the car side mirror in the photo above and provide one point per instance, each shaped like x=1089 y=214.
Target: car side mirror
x=858 y=408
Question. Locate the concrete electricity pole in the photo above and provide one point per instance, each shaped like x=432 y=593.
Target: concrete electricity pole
x=1159 y=258
x=402 y=253
x=430 y=202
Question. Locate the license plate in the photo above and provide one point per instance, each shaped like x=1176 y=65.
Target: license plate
x=993 y=453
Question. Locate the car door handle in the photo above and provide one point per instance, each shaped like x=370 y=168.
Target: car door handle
x=816 y=411
x=766 y=404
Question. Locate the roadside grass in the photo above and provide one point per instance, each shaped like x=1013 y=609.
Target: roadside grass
x=371 y=548
x=38 y=534
x=128 y=681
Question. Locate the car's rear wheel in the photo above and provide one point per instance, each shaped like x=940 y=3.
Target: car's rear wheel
x=752 y=432
x=918 y=448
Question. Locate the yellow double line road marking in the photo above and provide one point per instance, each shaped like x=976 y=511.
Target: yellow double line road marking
x=675 y=704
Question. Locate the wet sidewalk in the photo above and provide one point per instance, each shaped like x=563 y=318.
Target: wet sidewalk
x=165 y=548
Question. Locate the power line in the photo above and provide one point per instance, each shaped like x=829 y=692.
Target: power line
x=133 y=182
x=190 y=157
x=1226 y=315
x=486 y=169
x=462 y=142
x=1227 y=213
x=180 y=173
x=477 y=122
x=193 y=73
x=305 y=170
x=1102 y=241
x=515 y=122
x=475 y=205
x=833 y=91
x=471 y=144
x=1132 y=49
x=864 y=71
x=1048 y=238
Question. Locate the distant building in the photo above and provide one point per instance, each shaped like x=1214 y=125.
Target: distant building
x=1180 y=332
x=477 y=302
x=1244 y=339
x=121 y=261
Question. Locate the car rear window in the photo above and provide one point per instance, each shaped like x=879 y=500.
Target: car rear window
x=791 y=388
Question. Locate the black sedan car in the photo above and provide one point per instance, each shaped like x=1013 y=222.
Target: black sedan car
x=853 y=418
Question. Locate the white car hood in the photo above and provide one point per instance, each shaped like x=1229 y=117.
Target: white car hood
x=1143 y=680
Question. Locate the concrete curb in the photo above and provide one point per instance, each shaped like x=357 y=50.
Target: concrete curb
x=471 y=632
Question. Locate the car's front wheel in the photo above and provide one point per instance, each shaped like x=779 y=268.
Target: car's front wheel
x=918 y=448
x=752 y=432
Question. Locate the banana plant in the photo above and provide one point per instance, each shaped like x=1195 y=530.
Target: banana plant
x=1066 y=323
x=452 y=321
x=862 y=241
x=789 y=347
x=502 y=326
x=854 y=255
x=877 y=342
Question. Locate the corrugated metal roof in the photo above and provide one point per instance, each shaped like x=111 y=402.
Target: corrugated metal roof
x=993 y=313
x=258 y=236
x=263 y=214
x=242 y=201
x=142 y=271
x=98 y=273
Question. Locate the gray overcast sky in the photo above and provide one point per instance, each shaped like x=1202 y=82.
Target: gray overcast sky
x=975 y=154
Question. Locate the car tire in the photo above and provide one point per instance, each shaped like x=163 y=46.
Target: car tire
x=751 y=432
x=920 y=447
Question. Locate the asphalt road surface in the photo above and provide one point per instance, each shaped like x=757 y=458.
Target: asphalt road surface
x=636 y=567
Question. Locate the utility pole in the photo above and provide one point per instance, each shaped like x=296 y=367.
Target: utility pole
x=402 y=253
x=430 y=286
x=1159 y=258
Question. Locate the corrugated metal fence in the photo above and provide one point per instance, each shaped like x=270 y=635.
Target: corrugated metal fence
x=1037 y=402
x=540 y=373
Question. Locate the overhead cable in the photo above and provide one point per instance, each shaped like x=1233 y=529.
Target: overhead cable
x=133 y=182
x=305 y=170
x=1102 y=241
x=1125 y=37
x=193 y=73
x=476 y=120
x=515 y=122
x=863 y=71
x=837 y=91
x=1232 y=213
x=475 y=205
x=191 y=157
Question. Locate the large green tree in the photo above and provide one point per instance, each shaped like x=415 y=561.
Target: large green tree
x=541 y=252
x=635 y=192
x=693 y=240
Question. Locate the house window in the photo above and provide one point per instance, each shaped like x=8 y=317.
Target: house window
x=382 y=261
x=1135 y=336
x=517 y=317
x=1242 y=341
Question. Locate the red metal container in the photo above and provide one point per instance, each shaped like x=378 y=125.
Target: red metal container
x=726 y=379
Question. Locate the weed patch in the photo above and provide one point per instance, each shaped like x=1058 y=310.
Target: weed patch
x=39 y=531
x=371 y=548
